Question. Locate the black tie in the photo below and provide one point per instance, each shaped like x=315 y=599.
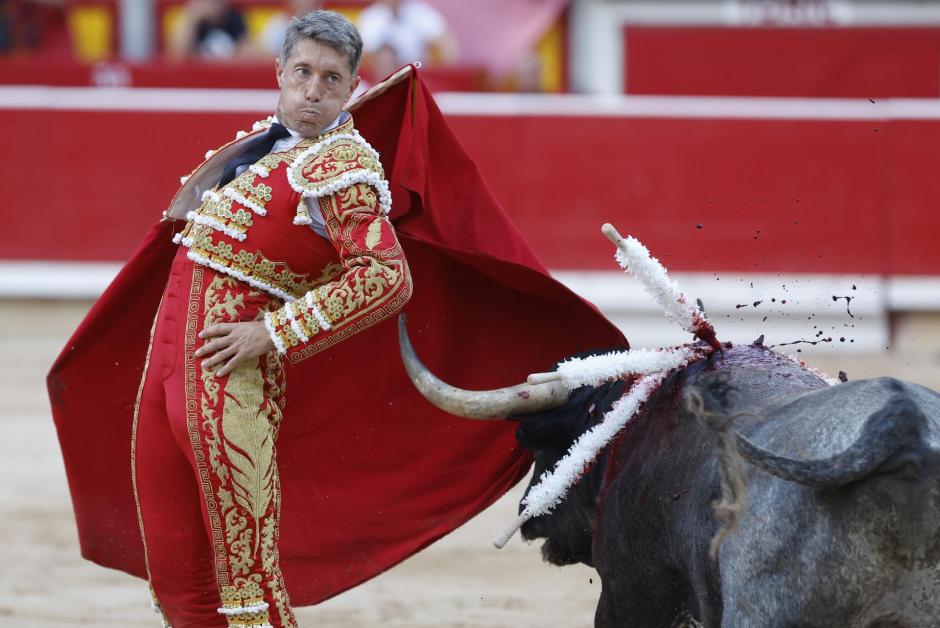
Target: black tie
x=256 y=149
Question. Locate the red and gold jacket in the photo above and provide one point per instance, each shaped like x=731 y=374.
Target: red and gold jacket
x=255 y=228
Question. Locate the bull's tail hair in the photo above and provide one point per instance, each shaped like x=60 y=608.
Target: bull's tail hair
x=732 y=467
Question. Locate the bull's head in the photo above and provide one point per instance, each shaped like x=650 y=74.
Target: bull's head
x=548 y=434
x=550 y=420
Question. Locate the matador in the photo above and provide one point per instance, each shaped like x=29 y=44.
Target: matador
x=251 y=286
x=278 y=453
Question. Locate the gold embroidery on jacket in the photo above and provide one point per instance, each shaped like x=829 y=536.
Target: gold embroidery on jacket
x=221 y=210
x=258 y=193
x=374 y=236
x=331 y=271
x=249 y=185
x=272 y=160
x=319 y=170
x=250 y=263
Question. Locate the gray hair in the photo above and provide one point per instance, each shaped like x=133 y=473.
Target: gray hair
x=326 y=27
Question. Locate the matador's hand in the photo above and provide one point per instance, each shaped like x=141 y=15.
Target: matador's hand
x=233 y=343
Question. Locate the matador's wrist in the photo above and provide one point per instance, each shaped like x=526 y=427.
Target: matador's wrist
x=296 y=323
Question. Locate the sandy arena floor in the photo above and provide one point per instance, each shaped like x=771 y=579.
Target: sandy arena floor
x=460 y=581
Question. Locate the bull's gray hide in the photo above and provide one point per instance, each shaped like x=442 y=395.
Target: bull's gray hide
x=849 y=540
x=854 y=538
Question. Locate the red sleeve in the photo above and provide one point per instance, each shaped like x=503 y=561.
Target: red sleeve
x=376 y=283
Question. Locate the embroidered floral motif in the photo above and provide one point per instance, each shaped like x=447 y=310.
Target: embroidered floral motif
x=257 y=193
x=272 y=160
x=221 y=209
x=336 y=162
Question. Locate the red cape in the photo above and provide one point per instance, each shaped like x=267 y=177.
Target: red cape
x=370 y=472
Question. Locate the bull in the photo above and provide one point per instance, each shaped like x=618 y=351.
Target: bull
x=842 y=518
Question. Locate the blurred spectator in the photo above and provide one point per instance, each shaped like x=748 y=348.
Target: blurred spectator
x=34 y=27
x=271 y=39
x=211 y=29
x=527 y=74
x=396 y=32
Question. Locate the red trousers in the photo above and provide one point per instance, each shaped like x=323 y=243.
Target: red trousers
x=204 y=463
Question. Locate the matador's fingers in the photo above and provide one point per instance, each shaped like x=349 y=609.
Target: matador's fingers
x=213 y=345
x=219 y=329
x=237 y=359
x=218 y=357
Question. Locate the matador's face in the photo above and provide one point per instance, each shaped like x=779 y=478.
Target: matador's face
x=315 y=83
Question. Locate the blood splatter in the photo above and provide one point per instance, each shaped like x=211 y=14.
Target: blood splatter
x=797 y=342
x=848 y=302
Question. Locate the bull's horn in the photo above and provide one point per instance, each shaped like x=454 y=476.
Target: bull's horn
x=477 y=404
x=898 y=423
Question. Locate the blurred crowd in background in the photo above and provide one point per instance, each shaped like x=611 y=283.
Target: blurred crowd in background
x=478 y=45
x=491 y=44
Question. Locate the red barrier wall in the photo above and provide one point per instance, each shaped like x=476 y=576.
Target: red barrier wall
x=855 y=196
x=770 y=196
x=812 y=62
